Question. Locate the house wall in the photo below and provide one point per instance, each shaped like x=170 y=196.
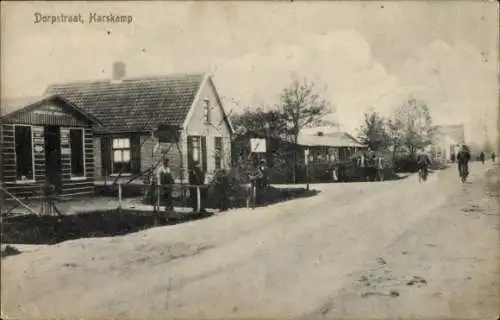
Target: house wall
x=70 y=187
x=446 y=145
x=55 y=112
x=177 y=153
x=217 y=128
x=96 y=144
x=84 y=185
x=149 y=158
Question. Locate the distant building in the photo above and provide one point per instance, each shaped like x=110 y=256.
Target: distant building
x=447 y=141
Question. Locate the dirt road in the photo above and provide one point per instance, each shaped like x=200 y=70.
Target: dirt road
x=362 y=250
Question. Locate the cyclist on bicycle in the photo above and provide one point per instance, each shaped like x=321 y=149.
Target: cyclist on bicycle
x=463 y=157
x=423 y=162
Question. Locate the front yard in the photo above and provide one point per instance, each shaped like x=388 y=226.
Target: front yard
x=101 y=217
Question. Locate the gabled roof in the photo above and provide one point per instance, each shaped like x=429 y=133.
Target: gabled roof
x=26 y=104
x=332 y=139
x=11 y=104
x=456 y=132
x=134 y=104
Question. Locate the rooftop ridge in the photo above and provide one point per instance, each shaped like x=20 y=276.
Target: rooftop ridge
x=173 y=76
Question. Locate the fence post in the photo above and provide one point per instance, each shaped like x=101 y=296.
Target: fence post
x=119 y=195
x=157 y=206
x=198 y=199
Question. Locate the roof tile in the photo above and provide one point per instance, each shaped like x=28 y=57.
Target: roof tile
x=134 y=104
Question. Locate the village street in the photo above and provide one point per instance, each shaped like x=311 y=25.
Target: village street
x=385 y=250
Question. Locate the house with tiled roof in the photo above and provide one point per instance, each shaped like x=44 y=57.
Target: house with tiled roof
x=180 y=115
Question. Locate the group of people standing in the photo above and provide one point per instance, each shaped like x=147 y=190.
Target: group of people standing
x=372 y=165
x=162 y=181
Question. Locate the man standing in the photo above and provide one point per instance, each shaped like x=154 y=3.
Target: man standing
x=196 y=178
x=165 y=180
x=380 y=167
x=221 y=188
x=493 y=156
x=261 y=181
x=371 y=164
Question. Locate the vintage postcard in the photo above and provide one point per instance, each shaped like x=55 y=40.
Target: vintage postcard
x=253 y=160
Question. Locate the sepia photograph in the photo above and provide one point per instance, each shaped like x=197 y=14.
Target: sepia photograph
x=250 y=160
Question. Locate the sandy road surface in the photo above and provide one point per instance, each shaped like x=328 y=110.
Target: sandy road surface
x=362 y=250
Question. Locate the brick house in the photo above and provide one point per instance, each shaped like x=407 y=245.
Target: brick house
x=180 y=115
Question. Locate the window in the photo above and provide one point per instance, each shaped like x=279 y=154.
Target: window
x=23 y=138
x=206 y=110
x=76 y=143
x=219 y=153
x=121 y=155
x=197 y=151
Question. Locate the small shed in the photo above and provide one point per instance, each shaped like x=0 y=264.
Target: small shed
x=48 y=140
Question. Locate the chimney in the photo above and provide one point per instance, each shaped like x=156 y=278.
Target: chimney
x=118 y=70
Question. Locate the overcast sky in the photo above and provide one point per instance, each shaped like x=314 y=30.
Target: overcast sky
x=361 y=55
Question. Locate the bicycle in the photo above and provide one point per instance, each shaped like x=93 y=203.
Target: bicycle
x=422 y=175
x=463 y=175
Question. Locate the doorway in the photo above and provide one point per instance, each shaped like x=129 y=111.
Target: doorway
x=53 y=171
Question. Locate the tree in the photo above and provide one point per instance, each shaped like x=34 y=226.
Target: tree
x=301 y=106
x=267 y=123
x=411 y=126
x=373 y=132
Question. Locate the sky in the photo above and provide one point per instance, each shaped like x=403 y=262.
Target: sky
x=362 y=56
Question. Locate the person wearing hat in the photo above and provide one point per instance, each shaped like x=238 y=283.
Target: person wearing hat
x=196 y=178
x=463 y=157
x=165 y=179
x=261 y=180
x=222 y=189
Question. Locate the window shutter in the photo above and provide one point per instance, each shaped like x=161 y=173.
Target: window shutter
x=204 y=152
x=106 y=157
x=135 y=157
x=219 y=152
x=190 y=152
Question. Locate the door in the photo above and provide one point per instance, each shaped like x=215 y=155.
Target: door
x=197 y=151
x=53 y=171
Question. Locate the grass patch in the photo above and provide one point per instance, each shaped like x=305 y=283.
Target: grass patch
x=276 y=195
x=33 y=229
x=9 y=251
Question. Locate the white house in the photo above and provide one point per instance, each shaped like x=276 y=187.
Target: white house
x=447 y=141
